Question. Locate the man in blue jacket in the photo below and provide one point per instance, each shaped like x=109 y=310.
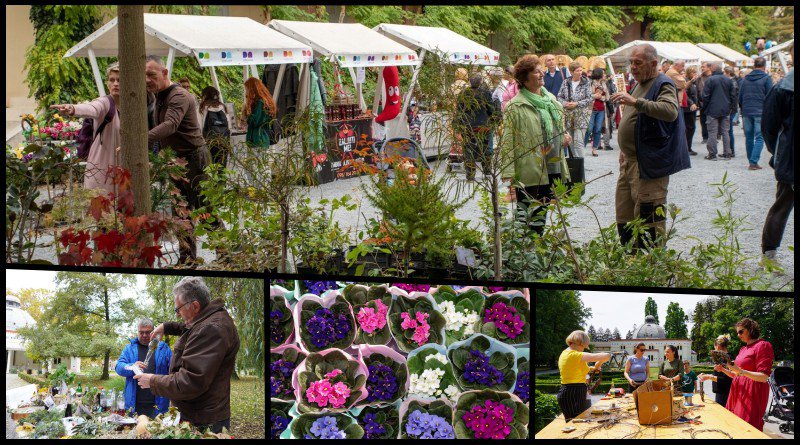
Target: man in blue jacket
x=752 y=92
x=142 y=400
x=717 y=103
x=777 y=126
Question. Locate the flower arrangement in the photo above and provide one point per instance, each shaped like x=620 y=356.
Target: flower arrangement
x=379 y=423
x=283 y=360
x=331 y=380
x=408 y=287
x=278 y=418
x=318 y=287
x=490 y=415
x=326 y=426
x=430 y=374
x=506 y=320
x=388 y=374
x=371 y=306
x=325 y=327
x=460 y=312
x=426 y=421
x=280 y=321
x=60 y=130
x=477 y=367
x=523 y=387
x=415 y=322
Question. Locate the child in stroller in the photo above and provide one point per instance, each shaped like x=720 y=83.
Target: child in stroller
x=781 y=384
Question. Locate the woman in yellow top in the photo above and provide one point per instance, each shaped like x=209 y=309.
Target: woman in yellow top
x=572 y=364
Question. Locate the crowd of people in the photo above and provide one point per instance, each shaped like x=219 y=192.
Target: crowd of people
x=740 y=386
x=195 y=130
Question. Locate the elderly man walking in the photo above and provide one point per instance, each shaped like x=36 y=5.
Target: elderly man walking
x=142 y=400
x=718 y=102
x=652 y=146
x=199 y=380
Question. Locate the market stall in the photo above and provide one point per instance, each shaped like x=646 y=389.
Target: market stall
x=452 y=48
x=779 y=51
x=730 y=56
x=348 y=120
x=701 y=54
x=225 y=41
x=618 y=57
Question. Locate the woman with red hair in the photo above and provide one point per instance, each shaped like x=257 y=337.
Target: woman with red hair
x=258 y=111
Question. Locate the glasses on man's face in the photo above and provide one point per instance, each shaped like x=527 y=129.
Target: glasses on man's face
x=145 y=333
x=179 y=307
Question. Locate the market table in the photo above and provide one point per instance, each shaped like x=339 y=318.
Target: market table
x=712 y=415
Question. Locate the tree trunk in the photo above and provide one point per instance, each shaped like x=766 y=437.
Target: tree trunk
x=342 y=12
x=284 y=236
x=498 y=244
x=108 y=326
x=267 y=14
x=133 y=105
x=105 y=365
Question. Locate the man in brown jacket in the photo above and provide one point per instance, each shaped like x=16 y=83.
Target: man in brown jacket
x=199 y=380
x=676 y=74
x=177 y=126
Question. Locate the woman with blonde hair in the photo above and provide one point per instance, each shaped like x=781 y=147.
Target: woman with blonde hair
x=721 y=378
x=258 y=111
x=573 y=367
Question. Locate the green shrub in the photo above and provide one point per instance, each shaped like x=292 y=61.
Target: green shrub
x=545 y=410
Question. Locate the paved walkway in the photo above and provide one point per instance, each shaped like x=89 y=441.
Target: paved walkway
x=13 y=381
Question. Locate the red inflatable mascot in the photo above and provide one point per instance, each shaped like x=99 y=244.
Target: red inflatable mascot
x=391 y=80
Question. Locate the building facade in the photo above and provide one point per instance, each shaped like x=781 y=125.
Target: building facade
x=655 y=340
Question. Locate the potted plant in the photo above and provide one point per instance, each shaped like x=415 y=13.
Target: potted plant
x=318 y=241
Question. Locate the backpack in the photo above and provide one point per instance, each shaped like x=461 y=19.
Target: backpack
x=86 y=134
x=216 y=123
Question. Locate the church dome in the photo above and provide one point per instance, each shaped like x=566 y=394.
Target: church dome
x=650 y=329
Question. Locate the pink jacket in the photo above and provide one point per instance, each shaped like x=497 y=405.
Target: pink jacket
x=509 y=94
x=102 y=153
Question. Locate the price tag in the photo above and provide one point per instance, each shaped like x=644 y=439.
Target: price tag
x=135 y=369
x=48 y=402
x=465 y=257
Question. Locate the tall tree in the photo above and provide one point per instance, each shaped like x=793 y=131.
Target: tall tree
x=558 y=313
x=592 y=333
x=608 y=336
x=629 y=335
x=133 y=106
x=33 y=301
x=699 y=341
x=651 y=308
x=675 y=324
x=615 y=335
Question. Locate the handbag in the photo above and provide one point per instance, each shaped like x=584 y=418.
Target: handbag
x=577 y=173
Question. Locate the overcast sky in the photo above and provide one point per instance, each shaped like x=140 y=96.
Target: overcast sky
x=44 y=279
x=623 y=309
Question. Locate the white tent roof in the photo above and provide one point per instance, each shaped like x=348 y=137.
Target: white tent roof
x=664 y=49
x=727 y=53
x=450 y=45
x=349 y=44
x=782 y=47
x=212 y=40
x=699 y=53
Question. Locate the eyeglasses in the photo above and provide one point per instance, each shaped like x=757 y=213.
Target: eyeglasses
x=145 y=332
x=179 y=307
x=640 y=350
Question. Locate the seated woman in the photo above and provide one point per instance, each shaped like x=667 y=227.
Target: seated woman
x=637 y=368
x=671 y=368
x=721 y=378
x=750 y=391
x=574 y=369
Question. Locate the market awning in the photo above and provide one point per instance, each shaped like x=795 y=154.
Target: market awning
x=665 y=50
x=450 y=46
x=349 y=44
x=726 y=53
x=212 y=40
x=782 y=47
x=701 y=54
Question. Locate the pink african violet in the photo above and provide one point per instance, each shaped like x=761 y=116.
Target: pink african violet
x=490 y=421
x=370 y=320
x=421 y=327
x=321 y=392
x=333 y=373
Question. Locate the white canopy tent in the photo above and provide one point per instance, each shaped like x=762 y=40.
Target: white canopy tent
x=212 y=40
x=665 y=51
x=701 y=54
x=778 y=50
x=728 y=54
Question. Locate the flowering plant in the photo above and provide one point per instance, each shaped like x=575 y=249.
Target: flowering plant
x=326 y=426
x=331 y=380
x=323 y=328
x=387 y=378
x=379 y=423
x=490 y=414
x=506 y=320
x=282 y=362
x=371 y=306
x=420 y=420
x=408 y=287
x=475 y=367
x=280 y=321
x=61 y=130
x=415 y=322
x=523 y=387
x=317 y=287
x=430 y=374
x=278 y=418
x=460 y=312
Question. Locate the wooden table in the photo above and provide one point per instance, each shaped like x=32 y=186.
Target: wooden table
x=713 y=416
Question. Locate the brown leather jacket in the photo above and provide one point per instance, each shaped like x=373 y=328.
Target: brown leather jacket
x=177 y=121
x=199 y=380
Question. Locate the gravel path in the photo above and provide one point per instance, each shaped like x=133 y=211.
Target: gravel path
x=690 y=190
x=13 y=381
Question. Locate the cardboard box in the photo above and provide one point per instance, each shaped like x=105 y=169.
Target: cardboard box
x=653 y=402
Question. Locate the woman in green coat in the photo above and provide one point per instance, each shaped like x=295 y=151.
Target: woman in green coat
x=533 y=135
x=258 y=111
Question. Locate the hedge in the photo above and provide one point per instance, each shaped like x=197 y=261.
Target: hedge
x=32 y=379
x=545 y=410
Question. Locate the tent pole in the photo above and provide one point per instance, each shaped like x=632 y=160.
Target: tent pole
x=357 y=87
x=413 y=81
x=97 y=79
x=610 y=67
x=170 y=59
x=244 y=79
x=782 y=60
x=304 y=95
x=279 y=80
x=378 y=92
x=216 y=82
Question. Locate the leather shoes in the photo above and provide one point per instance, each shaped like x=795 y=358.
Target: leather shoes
x=692 y=153
x=754 y=167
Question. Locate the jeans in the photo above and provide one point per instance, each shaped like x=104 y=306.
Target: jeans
x=715 y=126
x=753 y=140
x=734 y=118
x=595 y=127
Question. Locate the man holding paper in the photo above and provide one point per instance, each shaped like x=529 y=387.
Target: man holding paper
x=143 y=400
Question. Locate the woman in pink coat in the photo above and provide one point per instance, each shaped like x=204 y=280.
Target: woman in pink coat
x=103 y=152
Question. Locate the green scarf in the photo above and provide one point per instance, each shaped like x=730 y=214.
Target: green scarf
x=545 y=102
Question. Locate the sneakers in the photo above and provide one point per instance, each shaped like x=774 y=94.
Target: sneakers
x=692 y=152
x=608 y=148
x=710 y=158
x=725 y=157
x=755 y=167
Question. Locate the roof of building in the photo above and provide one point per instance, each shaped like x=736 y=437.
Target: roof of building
x=650 y=329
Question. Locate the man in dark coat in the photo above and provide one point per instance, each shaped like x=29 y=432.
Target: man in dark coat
x=753 y=91
x=477 y=115
x=199 y=380
x=717 y=101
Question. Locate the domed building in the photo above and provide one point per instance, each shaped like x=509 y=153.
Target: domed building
x=655 y=339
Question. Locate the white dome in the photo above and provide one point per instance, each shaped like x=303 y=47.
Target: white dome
x=17 y=318
x=650 y=329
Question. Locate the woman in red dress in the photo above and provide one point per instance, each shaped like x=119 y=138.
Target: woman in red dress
x=750 y=391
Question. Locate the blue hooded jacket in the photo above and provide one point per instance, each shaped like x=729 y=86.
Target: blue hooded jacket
x=752 y=92
x=130 y=355
x=777 y=126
